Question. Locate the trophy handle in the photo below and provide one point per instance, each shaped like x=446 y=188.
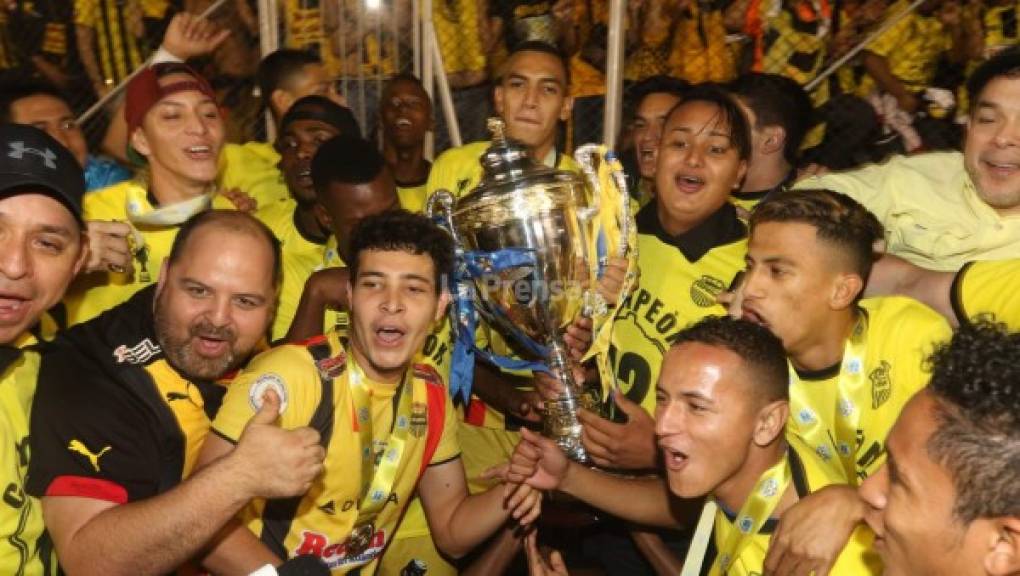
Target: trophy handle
x=585 y=156
x=440 y=209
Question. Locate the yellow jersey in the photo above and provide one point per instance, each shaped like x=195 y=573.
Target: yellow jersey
x=851 y=406
x=329 y=511
x=857 y=557
x=252 y=169
x=912 y=47
x=680 y=278
x=91 y=294
x=988 y=289
x=930 y=209
x=118 y=44
x=459 y=170
x=412 y=197
x=21 y=521
x=301 y=256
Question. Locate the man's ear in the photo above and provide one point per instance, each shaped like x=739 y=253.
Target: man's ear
x=163 y=277
x=774 y=141
x=1003 y=558
x=567 y=108
x=281 y=100
x=444 y=301
x=322 y=216
x=845 y=290
x=497 y=100
x=83 y=254
x=770 y=422
x=140 y=143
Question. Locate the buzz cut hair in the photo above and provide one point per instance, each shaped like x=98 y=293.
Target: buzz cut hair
x=838 y=220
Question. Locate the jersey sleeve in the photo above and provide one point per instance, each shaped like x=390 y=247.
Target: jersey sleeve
x=89 y=436
x=449 y=446
x=287 y=370
x=988 y=289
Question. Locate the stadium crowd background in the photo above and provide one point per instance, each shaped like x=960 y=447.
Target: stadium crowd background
x=86 y=47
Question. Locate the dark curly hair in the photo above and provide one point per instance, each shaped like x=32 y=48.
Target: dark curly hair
x=976 y=383
x=838 y=219
x=400 y=230
x=761 y=350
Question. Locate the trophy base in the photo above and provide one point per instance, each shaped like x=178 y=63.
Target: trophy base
x=561 y=424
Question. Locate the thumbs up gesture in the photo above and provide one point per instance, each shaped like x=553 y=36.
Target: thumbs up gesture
x=278 y=463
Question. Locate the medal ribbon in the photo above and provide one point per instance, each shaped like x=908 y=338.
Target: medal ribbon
x=377 y=479
x=757 y=509
x=165 y=216
x=809 y=413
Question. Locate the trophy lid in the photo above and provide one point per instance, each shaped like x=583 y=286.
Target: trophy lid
x=507 y=160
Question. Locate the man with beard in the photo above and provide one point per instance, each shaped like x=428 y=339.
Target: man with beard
x=309 y=123
x=126 y=400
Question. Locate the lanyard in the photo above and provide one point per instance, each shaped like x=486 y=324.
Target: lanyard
x=807 y=408
x=757 y=509
x=377 y=479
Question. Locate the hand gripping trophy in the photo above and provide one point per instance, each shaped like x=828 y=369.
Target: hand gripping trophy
x=532 y=243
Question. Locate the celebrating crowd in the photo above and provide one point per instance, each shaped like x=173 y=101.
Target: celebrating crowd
x=235 y=356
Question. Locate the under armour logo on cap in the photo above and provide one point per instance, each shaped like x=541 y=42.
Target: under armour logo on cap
x=18 y=151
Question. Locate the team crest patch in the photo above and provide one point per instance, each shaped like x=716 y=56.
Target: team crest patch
x=268 y=381
x=705 y=289
x=881 y=384
x=330 y=368
x=419 y=419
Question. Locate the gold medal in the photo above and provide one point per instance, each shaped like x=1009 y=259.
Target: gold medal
x=360 y=539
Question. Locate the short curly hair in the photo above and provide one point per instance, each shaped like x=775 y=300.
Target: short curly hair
x=976 y=384
x=838 y=219
x=400 y=230
x=761 y=350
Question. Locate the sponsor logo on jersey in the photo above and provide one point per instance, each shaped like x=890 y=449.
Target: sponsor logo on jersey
x=335 y=554
x=138 y=354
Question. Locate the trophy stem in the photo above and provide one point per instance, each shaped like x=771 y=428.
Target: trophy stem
x=561 y=423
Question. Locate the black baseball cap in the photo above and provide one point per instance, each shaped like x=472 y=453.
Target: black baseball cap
x=31 y=158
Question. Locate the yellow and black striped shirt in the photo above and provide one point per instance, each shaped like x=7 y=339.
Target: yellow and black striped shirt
x=117 y=26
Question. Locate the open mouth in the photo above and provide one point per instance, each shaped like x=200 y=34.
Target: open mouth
x=199 y=152
x=674 y=460
x=1001 y=168
x=13 y=308
x=403 y=123
x=389 y=335
x=689 y=184
x=211 y=346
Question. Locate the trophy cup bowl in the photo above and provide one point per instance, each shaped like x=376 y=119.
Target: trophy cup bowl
x=525 y=234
